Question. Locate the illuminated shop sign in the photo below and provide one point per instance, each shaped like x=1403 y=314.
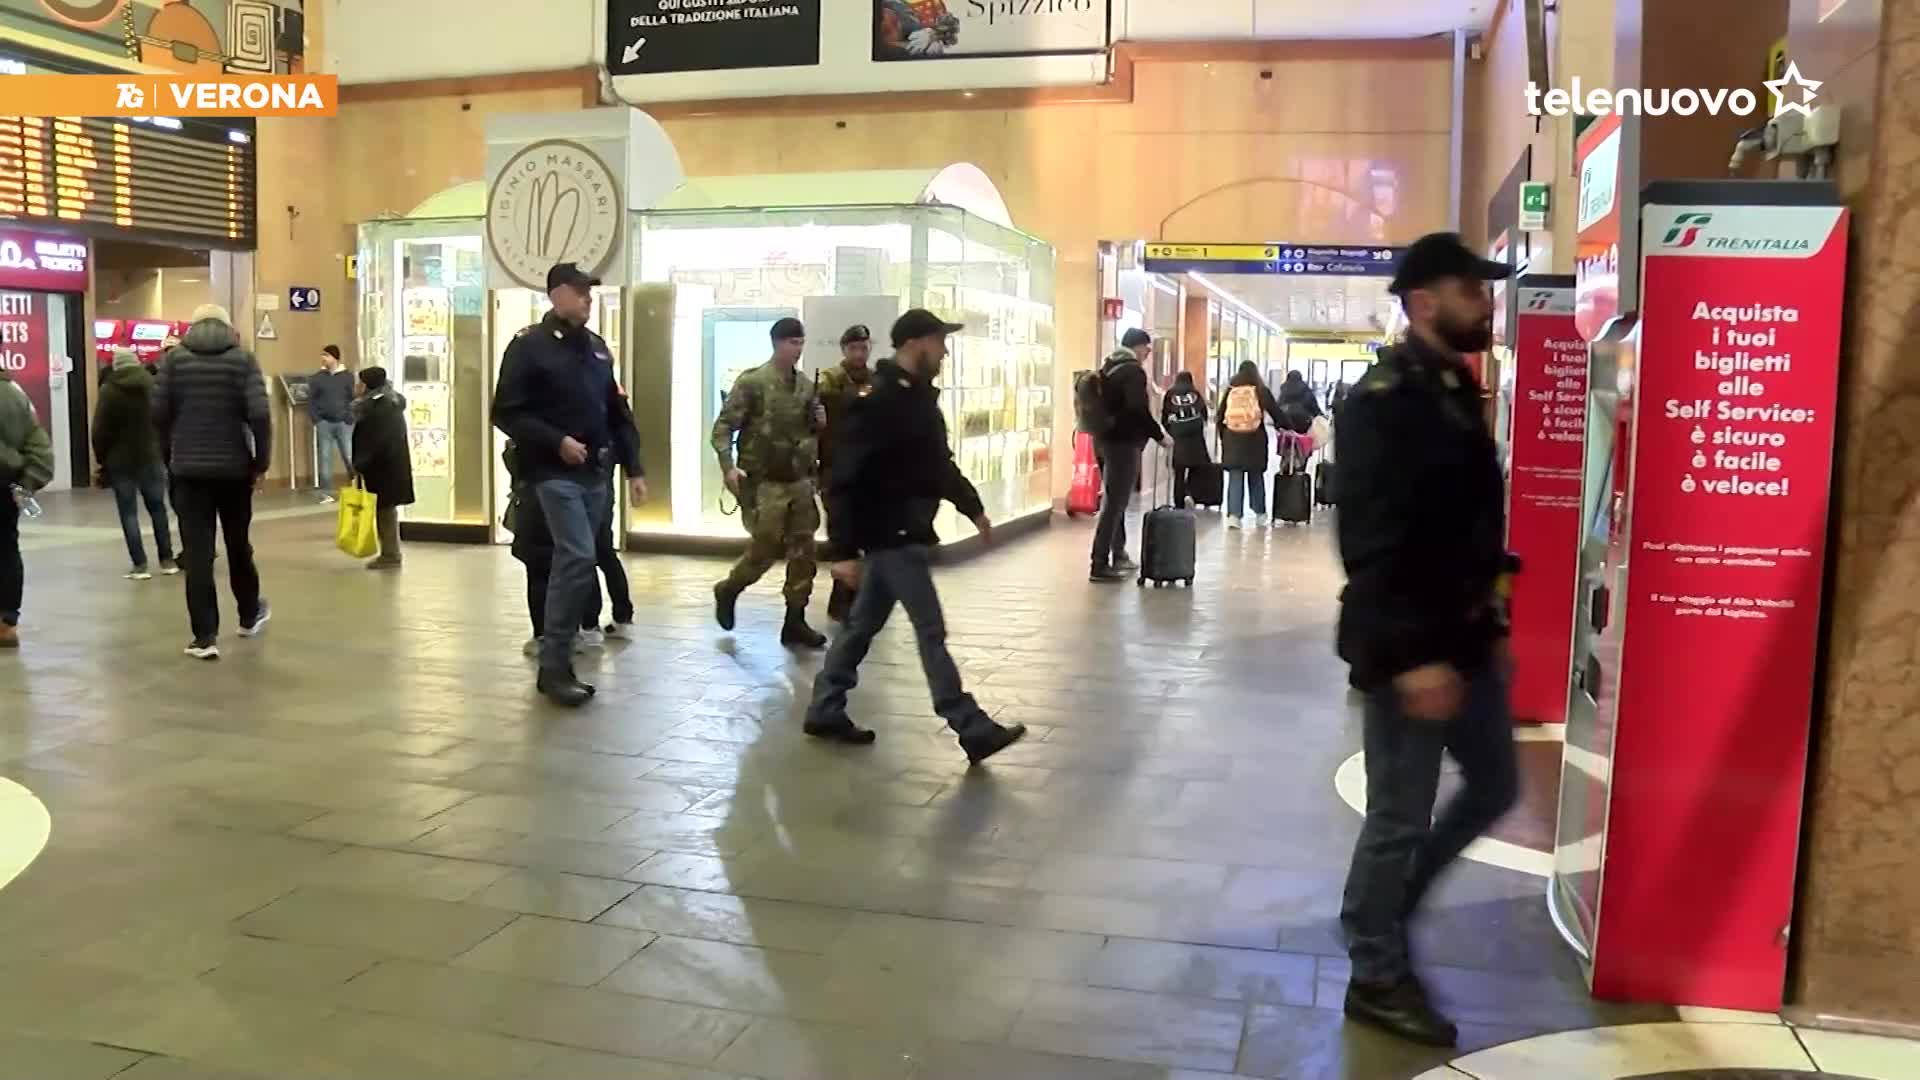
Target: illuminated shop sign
x=31 y=260
x=1279 y=258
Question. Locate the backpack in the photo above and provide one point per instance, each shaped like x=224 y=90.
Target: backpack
x=1242 y=411
x=1183 y=414
x=1090 y=411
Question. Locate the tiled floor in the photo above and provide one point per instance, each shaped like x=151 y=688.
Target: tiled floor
x=357 y=847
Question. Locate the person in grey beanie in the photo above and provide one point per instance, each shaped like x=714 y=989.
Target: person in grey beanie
x=129 y=454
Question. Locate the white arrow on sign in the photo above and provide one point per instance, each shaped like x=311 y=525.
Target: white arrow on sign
x=632 y=52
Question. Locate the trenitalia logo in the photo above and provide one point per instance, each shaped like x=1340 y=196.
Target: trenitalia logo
x=1686 y=230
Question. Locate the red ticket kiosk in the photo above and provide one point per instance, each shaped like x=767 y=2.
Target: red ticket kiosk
x=1549 y=370
x=1709 y=453
x=43 y=283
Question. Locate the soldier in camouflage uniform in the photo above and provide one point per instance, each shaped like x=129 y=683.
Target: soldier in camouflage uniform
x=839 y=386
x=777 y=417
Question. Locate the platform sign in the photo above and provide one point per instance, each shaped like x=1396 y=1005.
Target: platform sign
x=1719 y=620
x=303 y=298
x=1543 y=492
x=1275 y=258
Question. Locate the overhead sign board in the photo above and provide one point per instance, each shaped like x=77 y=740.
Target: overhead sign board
x=303 y=298
x=43 y=261
x=1283 y=259
x=652 y=37
x=938 y=30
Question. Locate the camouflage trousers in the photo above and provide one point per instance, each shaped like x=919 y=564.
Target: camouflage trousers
x=781 y=518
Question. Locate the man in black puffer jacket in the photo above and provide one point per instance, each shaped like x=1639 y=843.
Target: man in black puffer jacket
x=216 y=437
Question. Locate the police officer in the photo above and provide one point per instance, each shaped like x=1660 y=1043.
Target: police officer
x=558 y=400
x=838 y=386
x=891 y=471
x=1422 y=524
x=777 y=418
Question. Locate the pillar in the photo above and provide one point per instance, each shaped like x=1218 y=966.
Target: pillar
x=1856 y=933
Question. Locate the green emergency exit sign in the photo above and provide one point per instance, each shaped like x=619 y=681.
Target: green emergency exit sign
x=1536 y=200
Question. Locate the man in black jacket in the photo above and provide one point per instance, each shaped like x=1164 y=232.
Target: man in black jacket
x=216 y=440
x=1422 y=534
x=1130 y=426
x=558 y=400
x=892 y=469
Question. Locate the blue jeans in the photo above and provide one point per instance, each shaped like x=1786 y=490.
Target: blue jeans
x=577 y=510
x=1241 y=483
x=1403 y=847
x=902 y=576
x=149 y=486
x=334 y=435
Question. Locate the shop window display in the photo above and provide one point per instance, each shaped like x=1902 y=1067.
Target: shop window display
x=734 y=272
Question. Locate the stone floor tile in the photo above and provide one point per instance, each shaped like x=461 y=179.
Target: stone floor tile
x=554 y=894
x=427 y=876
x=395 y=925
x=55 y=1059
x=1200 y=971
x=556 y=950
x=565 y=1064
x=795 y=1050
x=703 y=873
x=943 y=1060
x=770 y=924
x=1156 y=1029
x=720 y=974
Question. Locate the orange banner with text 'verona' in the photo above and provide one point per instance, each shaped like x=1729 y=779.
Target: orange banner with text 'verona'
x=169 y=95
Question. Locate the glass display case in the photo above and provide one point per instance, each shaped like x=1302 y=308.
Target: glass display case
x=706 y=287
x=422 y=295
x=730 y=273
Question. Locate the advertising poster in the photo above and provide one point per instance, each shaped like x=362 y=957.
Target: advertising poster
x=1732 y=463
x=1543 y=493
x=24 y=350
x=428 y=418
x=954 y=29
x=652 y=37
x=1596 y=254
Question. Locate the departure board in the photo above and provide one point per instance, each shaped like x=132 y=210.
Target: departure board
x=191 y=185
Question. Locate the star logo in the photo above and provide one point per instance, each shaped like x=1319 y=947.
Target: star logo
x=1792 y=80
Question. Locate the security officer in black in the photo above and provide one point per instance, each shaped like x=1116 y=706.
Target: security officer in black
x=1422 y=534
x=892 y=468
x=558 y=399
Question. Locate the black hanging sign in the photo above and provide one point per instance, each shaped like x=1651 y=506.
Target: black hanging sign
x=649 y=37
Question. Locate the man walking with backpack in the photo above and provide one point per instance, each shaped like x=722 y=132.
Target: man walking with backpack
x=1114 y=410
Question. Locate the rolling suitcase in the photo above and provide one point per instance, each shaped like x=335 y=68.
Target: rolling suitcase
x=1083 y=496
x=1293 y=486
x=1166 y=542
x=1323 y=483
x=1207 y=486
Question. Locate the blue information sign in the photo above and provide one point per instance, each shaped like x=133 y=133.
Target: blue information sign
x=1283 y=259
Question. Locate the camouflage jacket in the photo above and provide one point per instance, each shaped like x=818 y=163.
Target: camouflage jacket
x=774 y=424
x=838 y=387
x=26 y=454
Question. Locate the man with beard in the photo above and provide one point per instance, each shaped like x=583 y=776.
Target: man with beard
x=1422 y=535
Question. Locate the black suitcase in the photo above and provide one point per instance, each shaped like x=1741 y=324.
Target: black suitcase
x=1167 y=546
x=1323 y=483
x=1207 y=485
x=1293 y=498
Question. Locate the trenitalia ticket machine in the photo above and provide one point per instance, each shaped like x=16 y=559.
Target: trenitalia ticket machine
x=1709 y=448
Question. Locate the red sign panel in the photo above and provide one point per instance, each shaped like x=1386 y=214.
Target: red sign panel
x=1543 y=496
x=1596 y=255
x=35 y=260
x=24 y=349
x=1733 y=449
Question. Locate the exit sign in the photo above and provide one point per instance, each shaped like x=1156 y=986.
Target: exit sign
x=1536 y=203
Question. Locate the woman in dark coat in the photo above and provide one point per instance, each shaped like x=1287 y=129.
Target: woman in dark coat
x=382 y=458
x=1243 y=453
x=1298 y=404
x=1183 y=413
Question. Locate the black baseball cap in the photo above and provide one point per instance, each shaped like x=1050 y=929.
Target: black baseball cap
x=567 y=273
x=856 y=332
x=919 y=323
x=1437 y=256
x=787 y=329
x=1135 y=336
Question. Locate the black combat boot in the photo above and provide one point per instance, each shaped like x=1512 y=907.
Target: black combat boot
x=796 y=633
x=564 y=688
x=723 y=601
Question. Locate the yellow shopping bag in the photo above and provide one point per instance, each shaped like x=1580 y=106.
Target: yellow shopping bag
x=358 y=535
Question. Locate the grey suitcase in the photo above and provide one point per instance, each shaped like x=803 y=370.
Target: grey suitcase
x=1166 y=543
